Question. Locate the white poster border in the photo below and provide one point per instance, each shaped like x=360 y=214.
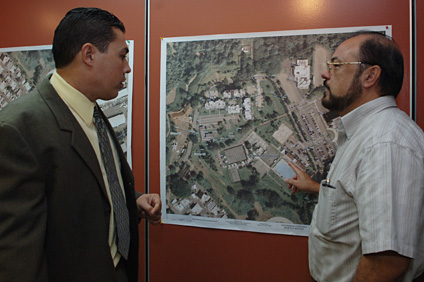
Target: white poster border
x=232 y=224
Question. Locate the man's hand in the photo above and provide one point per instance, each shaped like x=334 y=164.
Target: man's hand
x=302 y=181
x=149 y=206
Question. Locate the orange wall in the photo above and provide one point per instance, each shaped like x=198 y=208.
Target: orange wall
x=196 y=254
x=420 y=63
x=27 y=23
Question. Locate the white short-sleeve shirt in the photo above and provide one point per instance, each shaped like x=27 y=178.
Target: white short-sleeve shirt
x=373 y=201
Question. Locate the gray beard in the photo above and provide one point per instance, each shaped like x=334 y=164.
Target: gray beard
x=338 y=104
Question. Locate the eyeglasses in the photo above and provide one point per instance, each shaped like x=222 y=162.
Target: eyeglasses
x=336 y=64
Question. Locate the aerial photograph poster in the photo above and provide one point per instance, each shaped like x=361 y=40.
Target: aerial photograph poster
x=23 y=68
x=236 y=109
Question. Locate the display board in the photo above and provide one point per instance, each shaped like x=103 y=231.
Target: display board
x=420 y=62
x=23 y=68
x=181 y=253
x=236 y=110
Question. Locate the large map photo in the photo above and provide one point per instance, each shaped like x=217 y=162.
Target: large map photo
x=236 y=109
x=23 y=68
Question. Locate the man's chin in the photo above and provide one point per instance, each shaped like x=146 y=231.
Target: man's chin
x=325 y=98
x=325 y=102
x=326 y=92
x=110 y=97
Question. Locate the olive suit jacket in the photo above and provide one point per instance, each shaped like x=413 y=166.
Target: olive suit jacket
x=54 y=210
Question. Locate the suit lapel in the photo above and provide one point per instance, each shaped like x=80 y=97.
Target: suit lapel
x=67 y=122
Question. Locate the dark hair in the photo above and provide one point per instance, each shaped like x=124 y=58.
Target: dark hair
x=380 y=49
x=81 y=26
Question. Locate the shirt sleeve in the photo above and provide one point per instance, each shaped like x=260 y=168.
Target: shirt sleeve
x=389 y=198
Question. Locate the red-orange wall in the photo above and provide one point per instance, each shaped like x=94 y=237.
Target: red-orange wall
x=420 y=63
x=195 y=254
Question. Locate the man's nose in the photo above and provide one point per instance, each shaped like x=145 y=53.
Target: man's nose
x=127 y=68
x=325 y=74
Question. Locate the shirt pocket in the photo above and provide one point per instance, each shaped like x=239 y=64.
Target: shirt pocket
x=326 y=208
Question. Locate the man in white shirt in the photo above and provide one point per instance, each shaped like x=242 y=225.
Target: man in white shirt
x=368 y=224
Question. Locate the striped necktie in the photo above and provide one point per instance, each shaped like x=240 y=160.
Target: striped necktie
x=118 y=200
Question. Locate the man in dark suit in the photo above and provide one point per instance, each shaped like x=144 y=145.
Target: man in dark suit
x=57 y=219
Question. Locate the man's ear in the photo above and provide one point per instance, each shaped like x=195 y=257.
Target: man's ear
x=88 y=52
x=371 y=76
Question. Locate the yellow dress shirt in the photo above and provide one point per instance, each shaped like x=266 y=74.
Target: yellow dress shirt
x=82 y=108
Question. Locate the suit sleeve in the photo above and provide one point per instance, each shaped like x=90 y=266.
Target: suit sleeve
x=138 y=194
x=22 y=210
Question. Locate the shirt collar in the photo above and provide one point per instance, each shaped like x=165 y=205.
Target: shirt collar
x=73 y=98
x=353 y=120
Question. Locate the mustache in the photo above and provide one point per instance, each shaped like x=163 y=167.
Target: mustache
x=328 y=88
x=325 y=85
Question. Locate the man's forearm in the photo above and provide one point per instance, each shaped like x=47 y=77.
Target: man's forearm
x=384 y=266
